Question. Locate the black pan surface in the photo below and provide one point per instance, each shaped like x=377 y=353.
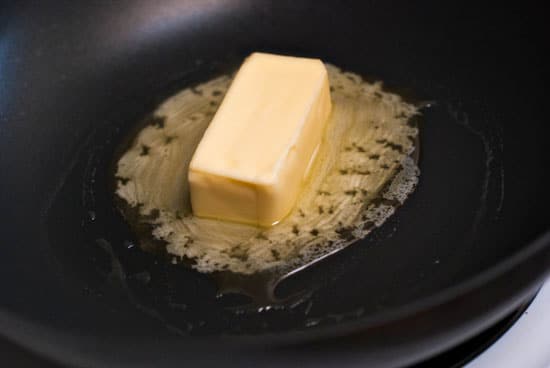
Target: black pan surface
x=466 y=248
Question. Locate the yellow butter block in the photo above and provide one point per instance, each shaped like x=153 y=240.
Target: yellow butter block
x=253 y=159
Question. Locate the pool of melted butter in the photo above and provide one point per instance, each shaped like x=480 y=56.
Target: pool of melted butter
x=364 y=170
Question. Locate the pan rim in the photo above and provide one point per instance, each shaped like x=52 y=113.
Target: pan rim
x=23 y=331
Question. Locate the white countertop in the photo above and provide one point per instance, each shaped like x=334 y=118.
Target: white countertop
x=527 y=343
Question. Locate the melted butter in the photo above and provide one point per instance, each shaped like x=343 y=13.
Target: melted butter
x=362 y=172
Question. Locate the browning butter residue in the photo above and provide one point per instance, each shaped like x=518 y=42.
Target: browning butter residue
x=362 y=172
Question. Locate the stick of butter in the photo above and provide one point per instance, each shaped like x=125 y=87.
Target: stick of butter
x=253 y=159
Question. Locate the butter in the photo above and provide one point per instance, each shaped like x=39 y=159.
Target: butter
x=253 y=159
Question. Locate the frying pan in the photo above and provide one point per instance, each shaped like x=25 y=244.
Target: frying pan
x=467 y=247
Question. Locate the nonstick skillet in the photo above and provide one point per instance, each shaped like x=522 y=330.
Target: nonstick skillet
x=469 y=246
